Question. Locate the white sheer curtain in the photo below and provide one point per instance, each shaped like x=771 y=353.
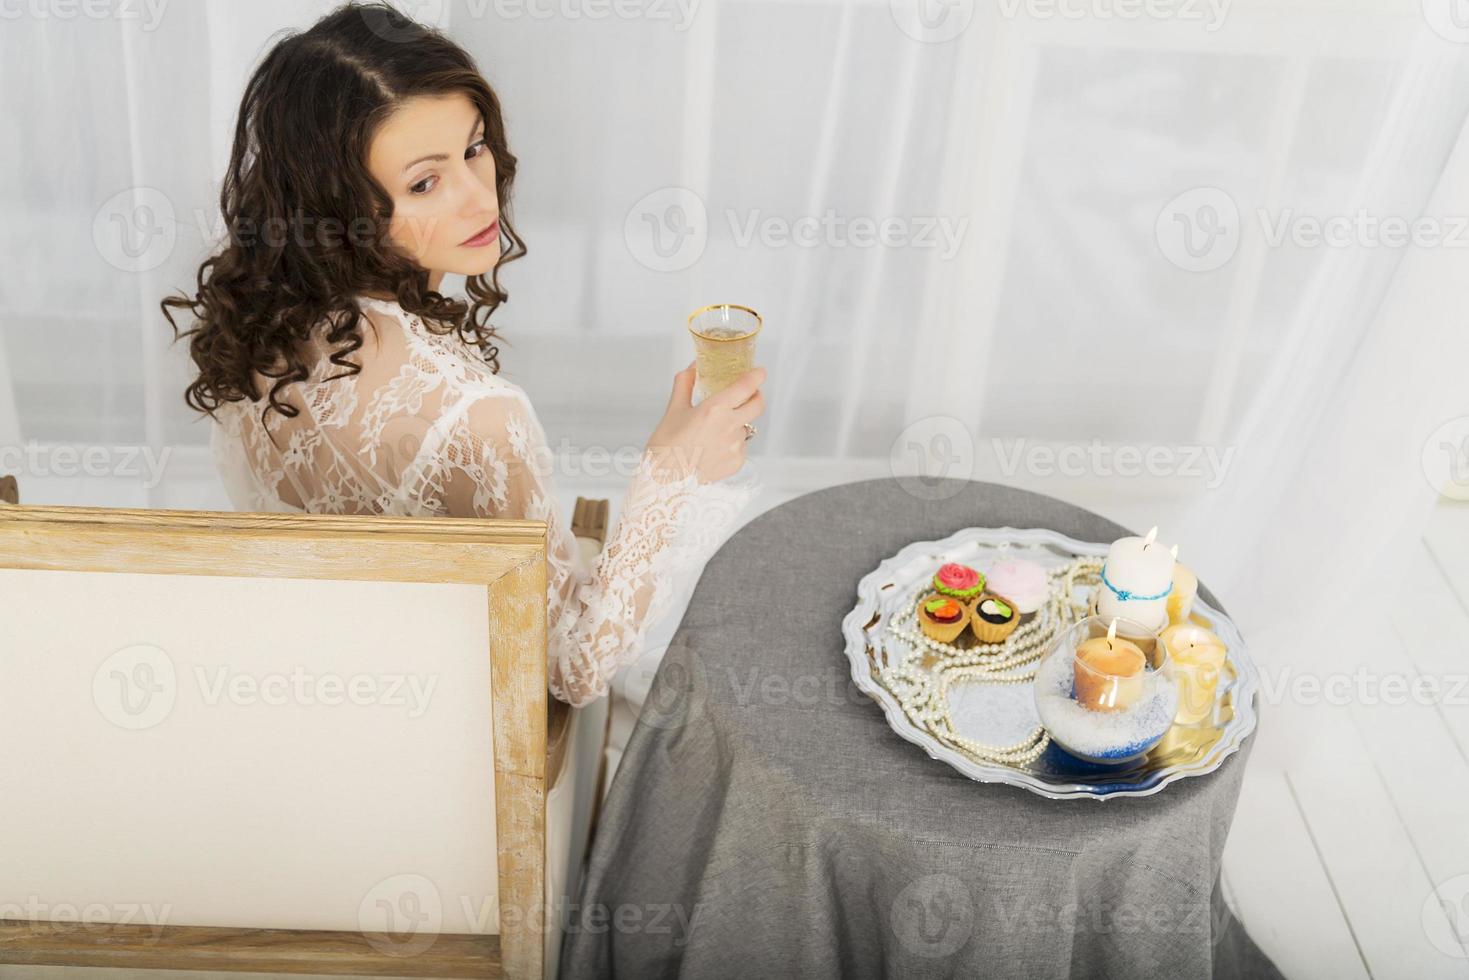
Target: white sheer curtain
x=1024 y=175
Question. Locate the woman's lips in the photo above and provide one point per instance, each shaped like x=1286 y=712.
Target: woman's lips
x=489 y=235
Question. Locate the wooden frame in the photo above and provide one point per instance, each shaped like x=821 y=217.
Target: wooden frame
x=507 y=557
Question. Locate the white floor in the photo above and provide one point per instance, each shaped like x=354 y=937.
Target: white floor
x=1349 y=855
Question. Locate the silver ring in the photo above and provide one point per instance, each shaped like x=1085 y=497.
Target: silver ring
x=750 y=431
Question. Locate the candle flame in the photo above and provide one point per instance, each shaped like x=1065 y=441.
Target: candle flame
x=1151 y=536
x=1112 y=630
x=1174 y=550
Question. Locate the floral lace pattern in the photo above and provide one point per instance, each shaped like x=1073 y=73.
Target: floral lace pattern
x=427 y=430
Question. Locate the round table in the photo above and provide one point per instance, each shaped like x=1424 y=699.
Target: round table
x=766 y=822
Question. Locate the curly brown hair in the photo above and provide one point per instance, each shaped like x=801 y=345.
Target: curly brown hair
x=307 y=224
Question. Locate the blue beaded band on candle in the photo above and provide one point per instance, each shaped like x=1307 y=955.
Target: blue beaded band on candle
x=1123 y=595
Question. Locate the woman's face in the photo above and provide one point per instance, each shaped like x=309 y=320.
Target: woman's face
x=432 y=159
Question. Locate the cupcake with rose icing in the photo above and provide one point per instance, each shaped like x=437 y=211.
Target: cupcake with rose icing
x=1023 y=582
x=959 y=581
x=942 y=617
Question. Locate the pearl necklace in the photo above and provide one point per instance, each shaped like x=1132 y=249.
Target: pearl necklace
x=923 y=691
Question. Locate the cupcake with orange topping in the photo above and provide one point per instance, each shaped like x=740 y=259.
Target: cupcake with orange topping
x=942 y=617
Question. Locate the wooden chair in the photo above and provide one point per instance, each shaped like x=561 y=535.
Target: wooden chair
x=231 y=816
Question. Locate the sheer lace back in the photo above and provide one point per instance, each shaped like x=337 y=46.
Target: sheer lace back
x=427 y=430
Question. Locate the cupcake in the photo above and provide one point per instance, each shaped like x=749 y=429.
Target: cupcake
x=1024 y=582
x=994 y=618
x=942 y=617
x=959 y=581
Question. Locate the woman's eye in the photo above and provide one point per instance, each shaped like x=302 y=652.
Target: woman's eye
x=428 y=183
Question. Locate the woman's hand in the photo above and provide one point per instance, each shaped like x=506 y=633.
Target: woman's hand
x=709 y=437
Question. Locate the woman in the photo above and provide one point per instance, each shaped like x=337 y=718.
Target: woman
x=369 y=160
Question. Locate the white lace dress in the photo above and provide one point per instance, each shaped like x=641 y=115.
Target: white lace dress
x=427 y=430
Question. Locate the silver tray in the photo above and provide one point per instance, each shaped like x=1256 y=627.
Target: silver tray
x=996 y=713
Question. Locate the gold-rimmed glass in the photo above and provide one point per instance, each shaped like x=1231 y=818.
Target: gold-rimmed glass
x=724 y=345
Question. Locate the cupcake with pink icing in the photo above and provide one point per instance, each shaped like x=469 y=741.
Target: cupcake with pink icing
x=1021 y=581
x=959 y=581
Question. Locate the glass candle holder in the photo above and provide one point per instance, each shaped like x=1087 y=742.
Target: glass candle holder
x=1106 y=694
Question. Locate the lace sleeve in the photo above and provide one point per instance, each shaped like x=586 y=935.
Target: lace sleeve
x=496 y=463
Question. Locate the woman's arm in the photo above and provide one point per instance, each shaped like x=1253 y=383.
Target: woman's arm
x=495 y=462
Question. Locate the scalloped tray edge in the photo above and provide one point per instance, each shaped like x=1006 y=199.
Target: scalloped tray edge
x=1245 y=690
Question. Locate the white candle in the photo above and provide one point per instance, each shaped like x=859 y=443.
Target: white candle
x=1138 y=577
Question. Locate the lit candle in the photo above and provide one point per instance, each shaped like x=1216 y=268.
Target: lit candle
x=1185 y=587
x=1108 y=672
x=1136 y=581
x=1198 y=657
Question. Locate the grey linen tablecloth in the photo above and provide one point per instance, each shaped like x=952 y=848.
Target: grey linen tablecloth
x=766 y=822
